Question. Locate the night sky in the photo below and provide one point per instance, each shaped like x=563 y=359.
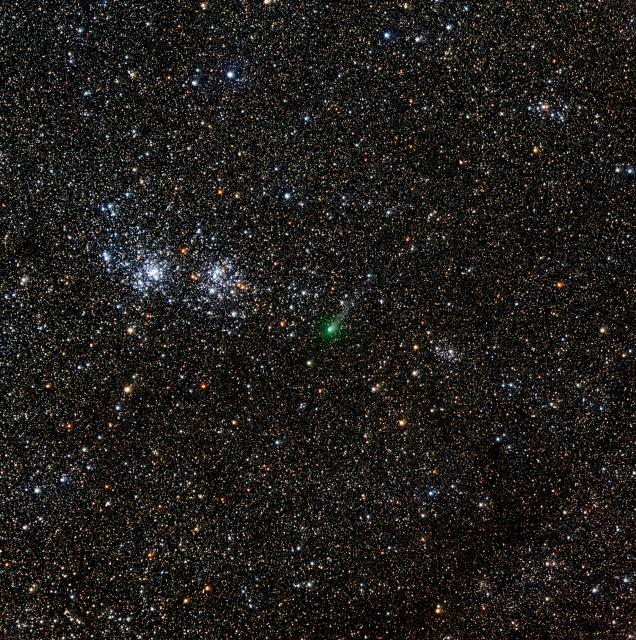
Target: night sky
x=317 y=320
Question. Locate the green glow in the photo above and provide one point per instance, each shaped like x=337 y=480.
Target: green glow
x=331 y=329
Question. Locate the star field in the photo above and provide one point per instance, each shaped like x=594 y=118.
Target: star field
x=317 y=320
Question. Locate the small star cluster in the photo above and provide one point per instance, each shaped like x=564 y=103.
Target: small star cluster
x=317 y=320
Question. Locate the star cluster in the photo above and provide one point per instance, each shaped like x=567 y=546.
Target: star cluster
x=317 y=320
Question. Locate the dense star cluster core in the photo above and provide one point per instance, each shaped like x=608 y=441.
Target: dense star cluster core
x=317 y=320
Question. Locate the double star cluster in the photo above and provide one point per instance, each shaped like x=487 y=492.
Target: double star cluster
x=317 y=320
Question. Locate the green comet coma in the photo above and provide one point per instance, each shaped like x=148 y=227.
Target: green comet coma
x=331 y=329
